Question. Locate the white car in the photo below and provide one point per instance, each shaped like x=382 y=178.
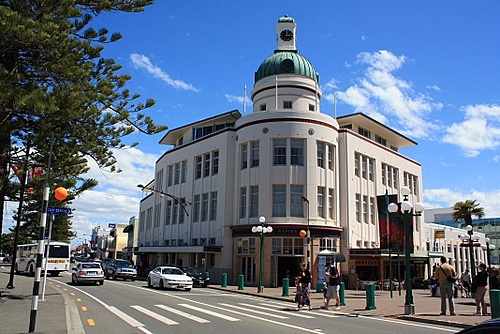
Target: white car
x=165 y=277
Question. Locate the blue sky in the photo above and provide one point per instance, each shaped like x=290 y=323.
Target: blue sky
x=428 y=69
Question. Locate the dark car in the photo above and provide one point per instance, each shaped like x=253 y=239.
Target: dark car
x=487 y=327
x=200 y=278
x=121 y=269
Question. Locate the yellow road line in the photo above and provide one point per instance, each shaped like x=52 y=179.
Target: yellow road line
x=78 y=300
x=91 y=322
x=84 y=308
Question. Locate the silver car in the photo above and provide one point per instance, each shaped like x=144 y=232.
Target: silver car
x=88 y=272
x=165 y=277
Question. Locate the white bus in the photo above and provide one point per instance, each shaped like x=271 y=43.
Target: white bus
x=57 y=261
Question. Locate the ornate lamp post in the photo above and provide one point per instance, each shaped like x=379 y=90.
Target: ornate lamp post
x=406 y=208
x=261 y=229
x=470 y=240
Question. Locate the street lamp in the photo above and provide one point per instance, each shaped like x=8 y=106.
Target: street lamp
x=471 y=241
x=407 y=208
x=261 y=229
x=308 y=235
x=176 y=199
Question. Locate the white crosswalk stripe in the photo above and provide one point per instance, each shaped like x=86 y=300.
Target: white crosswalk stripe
x=154 y=315
x=289 y=313
x=215 y=314
x=183 y=314
x=246 y=309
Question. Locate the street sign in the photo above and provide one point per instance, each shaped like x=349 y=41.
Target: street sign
x=110 y=225
x=59 y=211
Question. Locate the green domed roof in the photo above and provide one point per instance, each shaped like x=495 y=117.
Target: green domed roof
x=286 y=62
x=285 y=18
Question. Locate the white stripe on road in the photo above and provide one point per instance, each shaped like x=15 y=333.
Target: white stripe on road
x=183 y=314
x=254 y=311
x=154 y=315
x=290 y=313
x=125 y=317
x=218 y=315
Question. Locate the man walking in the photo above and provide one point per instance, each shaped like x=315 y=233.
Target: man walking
x=445 y=287
x=333 y=286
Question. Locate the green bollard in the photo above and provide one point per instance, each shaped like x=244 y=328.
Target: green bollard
x=495 y=303
x=370 y=297
x=319 y=287
x=241 y=282
x=342 y=294
x=286 y=287
x=224 y=280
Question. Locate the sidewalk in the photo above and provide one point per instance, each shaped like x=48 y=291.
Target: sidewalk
x=427 y=308
x=15 y=306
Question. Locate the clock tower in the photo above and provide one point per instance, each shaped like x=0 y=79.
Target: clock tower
x=285 y=30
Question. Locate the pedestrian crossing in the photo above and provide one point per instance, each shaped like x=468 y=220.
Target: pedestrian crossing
x=204 y=313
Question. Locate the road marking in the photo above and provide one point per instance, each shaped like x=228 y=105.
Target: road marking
x=91 y=322
x=154 y=315
x=183 y=314
x=84 y=308
x=289 y=313
x=254 y=311
x=78 y=299
x=218 y=315
x=125 y=317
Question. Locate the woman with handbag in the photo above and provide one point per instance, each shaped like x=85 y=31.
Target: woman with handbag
x=480 y=283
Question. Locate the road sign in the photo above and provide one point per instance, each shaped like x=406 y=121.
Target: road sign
x=59 y=211
x=110 y=225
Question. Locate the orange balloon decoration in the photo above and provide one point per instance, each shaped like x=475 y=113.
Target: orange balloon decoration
x=60 y=193
x=302 y=233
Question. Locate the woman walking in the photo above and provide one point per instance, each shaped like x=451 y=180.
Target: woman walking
x=304 y=288
x=481 y=282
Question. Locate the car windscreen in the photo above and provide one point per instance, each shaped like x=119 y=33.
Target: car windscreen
x=172 y=271
x=124 y=264
x=91 y=266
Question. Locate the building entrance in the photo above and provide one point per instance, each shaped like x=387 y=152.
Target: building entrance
x=288 y=267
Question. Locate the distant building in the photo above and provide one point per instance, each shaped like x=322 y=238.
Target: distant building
x=286 y=161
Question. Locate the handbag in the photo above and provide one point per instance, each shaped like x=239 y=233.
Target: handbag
x=450 y=279
x=473 y=287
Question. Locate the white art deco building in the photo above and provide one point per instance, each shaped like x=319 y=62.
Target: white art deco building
x=300 y=169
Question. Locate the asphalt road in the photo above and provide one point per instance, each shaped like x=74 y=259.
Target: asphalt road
x=132 y=307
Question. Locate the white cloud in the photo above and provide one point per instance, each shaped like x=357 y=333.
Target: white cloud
x=445 y=197
x=238 y=99
x=143 y=62
x=479 y=131
x=380 y=93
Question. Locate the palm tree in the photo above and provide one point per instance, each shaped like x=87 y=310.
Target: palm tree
x=465 y=210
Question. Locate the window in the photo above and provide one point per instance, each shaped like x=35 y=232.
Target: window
x=157 y=214
x=356 y=164
x=183 y=171
x=243 y=202
x=372 y=210
x=320 y=154
x=364 y=168
x=170 y=175
x=347 y=126
x=358 y=207
x=175 y=212
x=321 y=202
x=364 y=132
x=331 y=212
x=380 y=140
x=204 y=207
x=182 y=212
x=197 y=206
x=206 y=170
x=177 y=173
x=254 y=201
x=254 y=147
x=279 y=200
x=279 y=152
x=245 y=246
x=365 y=208
x=149 y=218
x=215 y=162
x=197 y=173
x=263 y=107
x=331 y=157
x=296 y=203
x=213 y=205
x=370 y=169
x=287 y=104
x=244 y=156
x=297 y=152
x=311 y=107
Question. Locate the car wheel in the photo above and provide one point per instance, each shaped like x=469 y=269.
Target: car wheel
x=31 y=271
x=114 y=276
x=100 y=282
x=187 y=289
x=132 y=279
x=149 y=283
x=160 y=286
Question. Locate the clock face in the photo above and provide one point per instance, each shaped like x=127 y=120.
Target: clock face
x=286 y=35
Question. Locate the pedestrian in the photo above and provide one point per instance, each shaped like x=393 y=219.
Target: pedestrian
x=495 y=279
x=442 y=275
x=333 y=276
x=304 y=288
x=481 y=282
x=465 y=280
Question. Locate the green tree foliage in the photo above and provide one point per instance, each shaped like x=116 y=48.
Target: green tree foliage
x=54 y=82
x=465 y=211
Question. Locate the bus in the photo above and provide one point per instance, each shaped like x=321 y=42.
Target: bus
x=57 y=261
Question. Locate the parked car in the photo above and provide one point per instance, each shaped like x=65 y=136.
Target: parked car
x=486 y=327
x=105 y=262
x=121 y=269
x=165 y=277
x=87 y=272
x=199 y=278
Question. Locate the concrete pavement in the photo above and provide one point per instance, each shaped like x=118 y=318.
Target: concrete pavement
x=58 y=313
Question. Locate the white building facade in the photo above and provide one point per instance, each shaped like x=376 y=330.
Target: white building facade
x=300 y=169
